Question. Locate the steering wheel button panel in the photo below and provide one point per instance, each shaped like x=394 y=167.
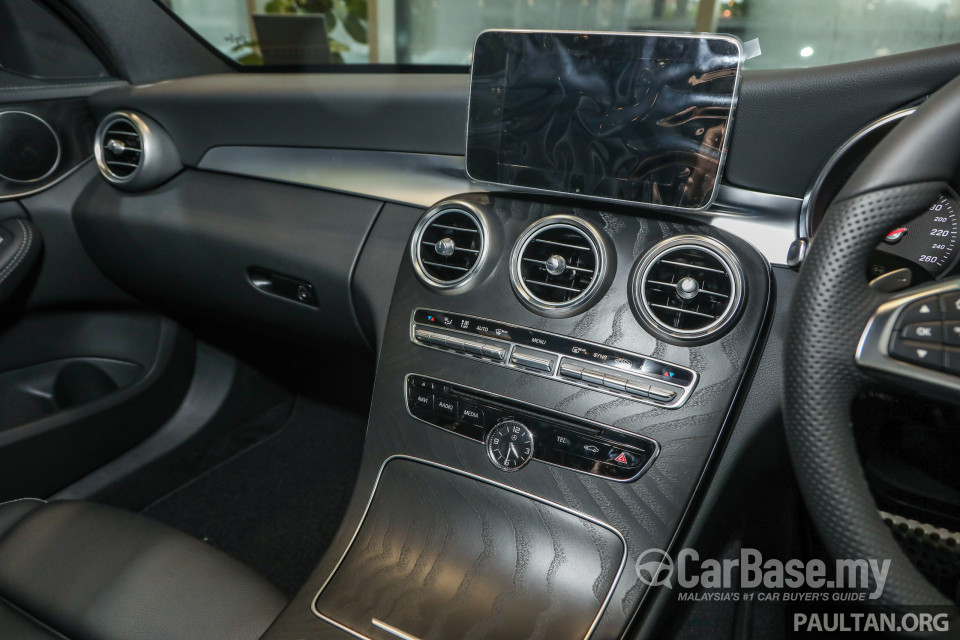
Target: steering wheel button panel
x=951 y=333
x=951 y=361
x=951 y=306
x=924 y=310
x=925 y=355
x=923 y=332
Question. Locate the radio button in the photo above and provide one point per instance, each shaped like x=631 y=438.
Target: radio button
x=445 y=406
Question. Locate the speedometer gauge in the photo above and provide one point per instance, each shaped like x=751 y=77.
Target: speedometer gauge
x=927 y=245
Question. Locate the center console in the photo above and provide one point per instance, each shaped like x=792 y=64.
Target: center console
x=552 y=384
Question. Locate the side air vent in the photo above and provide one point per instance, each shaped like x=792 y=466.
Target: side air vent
x=558 y=264
x=134 y=152
x=689 y=287
x=121 y=149
x=449 y=245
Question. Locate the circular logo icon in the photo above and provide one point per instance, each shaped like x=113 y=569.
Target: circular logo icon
x=655 y=568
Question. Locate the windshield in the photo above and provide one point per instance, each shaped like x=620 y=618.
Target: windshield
x=791 y=33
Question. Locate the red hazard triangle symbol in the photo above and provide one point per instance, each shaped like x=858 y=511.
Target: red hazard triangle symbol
x=622 y=458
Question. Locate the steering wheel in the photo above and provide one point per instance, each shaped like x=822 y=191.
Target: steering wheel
x=843 y=334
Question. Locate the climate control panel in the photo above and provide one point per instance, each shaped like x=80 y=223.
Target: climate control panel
x=515 y=434
x=577 y=362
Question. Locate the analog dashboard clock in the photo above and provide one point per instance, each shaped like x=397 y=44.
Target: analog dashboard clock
x=510 y=445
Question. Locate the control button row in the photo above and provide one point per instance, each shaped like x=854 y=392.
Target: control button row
x=633 y=386
x=465 y=345
x=594 y=450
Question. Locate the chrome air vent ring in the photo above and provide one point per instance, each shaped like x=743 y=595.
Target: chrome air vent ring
x=133 y=152
x=450 y=245
x=558 y=265
x=688 y=288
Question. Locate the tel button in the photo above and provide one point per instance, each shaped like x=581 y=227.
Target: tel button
x=923 y=331
x=925 y=310
x=561 y=440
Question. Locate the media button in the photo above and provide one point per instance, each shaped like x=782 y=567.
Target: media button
x=471 y=414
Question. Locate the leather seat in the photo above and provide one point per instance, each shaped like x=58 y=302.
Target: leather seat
x=83 y=571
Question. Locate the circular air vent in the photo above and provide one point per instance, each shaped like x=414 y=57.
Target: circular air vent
x=134 y=152
x=558 y=263
x=29 y=147
x=449 y=245
x=121 y=149
x=688 y=287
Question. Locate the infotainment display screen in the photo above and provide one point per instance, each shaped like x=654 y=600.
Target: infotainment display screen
x=633 y=117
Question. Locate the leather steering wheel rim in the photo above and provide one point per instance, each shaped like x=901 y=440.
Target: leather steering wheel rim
x=832 y=305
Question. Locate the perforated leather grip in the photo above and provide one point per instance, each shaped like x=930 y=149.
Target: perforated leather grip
x=830 y=309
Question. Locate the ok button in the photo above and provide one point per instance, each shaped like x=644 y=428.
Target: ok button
x=923 y=331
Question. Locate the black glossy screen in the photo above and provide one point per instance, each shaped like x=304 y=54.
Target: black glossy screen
x=634 y=117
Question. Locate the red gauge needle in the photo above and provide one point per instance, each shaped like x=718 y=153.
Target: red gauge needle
x=895 y=236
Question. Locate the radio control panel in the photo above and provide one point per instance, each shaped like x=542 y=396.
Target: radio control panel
x=585 y=364
x=515 y=434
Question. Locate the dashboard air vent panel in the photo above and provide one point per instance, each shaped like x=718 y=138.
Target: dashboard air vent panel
x=688 y=287
x=558 y=264
x=449 y=246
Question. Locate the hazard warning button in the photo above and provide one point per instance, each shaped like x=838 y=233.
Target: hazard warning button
x=623 y=458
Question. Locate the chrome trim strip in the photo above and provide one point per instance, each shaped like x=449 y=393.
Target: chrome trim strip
x=417 y=179
x=529 y=406
x=806 y=210
x=403 y=635
x=61 y=178
x=765 y=220
x=467 y=474
x=683 y=393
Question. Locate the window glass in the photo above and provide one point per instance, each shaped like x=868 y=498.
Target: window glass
x=792 y=33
